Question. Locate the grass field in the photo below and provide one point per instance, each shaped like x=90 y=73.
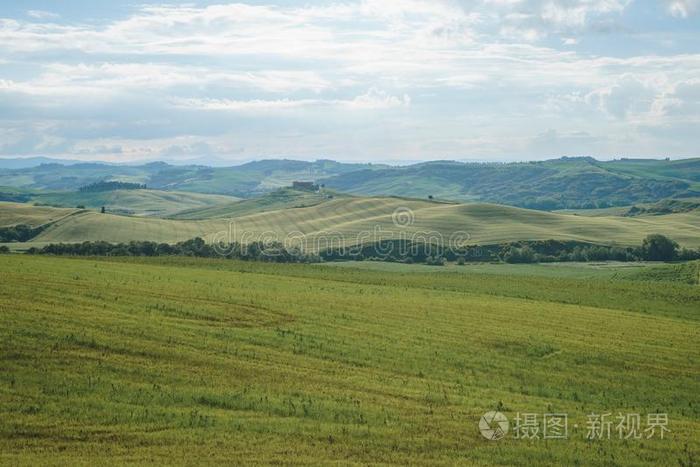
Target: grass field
x=35 y=216
x=277 y=200
x=361 y=220
x=688 y=272
x=186 y=361
x=135 y=202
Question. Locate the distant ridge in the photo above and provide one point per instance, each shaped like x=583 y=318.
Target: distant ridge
x=565 y=183
x=29 y=162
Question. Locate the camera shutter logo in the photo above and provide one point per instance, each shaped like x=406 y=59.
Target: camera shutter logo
x=493 y=426
x=403 y=217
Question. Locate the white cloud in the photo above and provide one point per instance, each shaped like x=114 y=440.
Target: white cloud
x=375 y=43
x=627 y=95
x=535 y=20
x=254 y=105
x=486 y=71
x=109 y=79
x=682 y=99
x=374 y=99
x=682 y=8
x=551 y=140
x=40 y=14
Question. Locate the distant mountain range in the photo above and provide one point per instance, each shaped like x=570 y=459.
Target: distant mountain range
x=565 y=183
x=29 y=162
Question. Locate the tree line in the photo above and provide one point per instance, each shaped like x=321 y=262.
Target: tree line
x=19 y=233
x=110 y=186
x=196 y=247
x=653 y=248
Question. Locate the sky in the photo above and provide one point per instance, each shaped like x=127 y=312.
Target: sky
x=350 y=80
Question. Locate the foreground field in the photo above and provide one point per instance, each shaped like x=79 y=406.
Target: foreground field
x=685 y=272
x=192 y=361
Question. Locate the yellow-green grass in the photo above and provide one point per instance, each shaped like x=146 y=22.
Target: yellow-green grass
x=601 y=212
x=688 y=272
x=136 y=202
x=652 y=209
x=27 y=214
x=284 y=198
x=201 y=361
x=93 y=226
x=363 y=220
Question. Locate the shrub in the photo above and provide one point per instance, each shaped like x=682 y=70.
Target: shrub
x=435 y=261
x=519 y=255
x=19 y=233
x=658 y=247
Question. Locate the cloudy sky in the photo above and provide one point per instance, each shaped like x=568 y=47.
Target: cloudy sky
x=370 y=80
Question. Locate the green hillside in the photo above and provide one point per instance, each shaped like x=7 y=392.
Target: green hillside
x=14 y=195
x=134 y=202
x=687 y=169
x=243 y=180
x=688 y=273
x=350 y=221
x=59 y=177
x=567 y=183
x=557 y=184
x=284 y=198
x=187 y=361
x=20 y=213
x=685 y=273
x=666 y=206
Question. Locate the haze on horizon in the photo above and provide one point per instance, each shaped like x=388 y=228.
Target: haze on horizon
x=355 y=80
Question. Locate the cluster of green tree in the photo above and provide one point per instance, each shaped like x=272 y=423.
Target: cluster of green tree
x=196 y=247
x=551 y=203
x=18 y=233
x=669 y=206
x=404 y=251
x=110 y=186
x=653 y=248
x=14 y=197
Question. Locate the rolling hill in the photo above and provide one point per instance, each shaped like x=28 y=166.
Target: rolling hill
x=280 y=199
x=35 y=216
x=360 y=220
x=666 y=206
x=134 y=202
x=244 y=180
x=557 y=184
x=566 y=183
